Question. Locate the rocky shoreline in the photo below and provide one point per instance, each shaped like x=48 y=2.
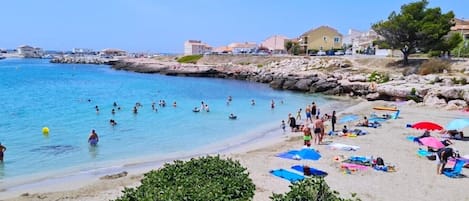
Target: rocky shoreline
x=82 y=60
x=330 y=77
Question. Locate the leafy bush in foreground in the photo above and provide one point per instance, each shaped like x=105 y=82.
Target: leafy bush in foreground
x=205 y=178
x=314 y=188
x=190 y=59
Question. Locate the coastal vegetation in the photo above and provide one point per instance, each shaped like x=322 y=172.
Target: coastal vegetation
x=417 y=28
x=314 y=188
x=190 y=59
x=378 y=77
x=204 y=178
x=432 y=66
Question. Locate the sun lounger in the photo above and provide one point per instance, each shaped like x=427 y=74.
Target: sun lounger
x=313 y=171
x=285 y=174
x=456 y=171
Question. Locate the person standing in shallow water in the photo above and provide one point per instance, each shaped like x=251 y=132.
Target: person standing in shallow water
x=2 y=150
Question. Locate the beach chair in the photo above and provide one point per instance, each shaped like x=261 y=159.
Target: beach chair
x=456 y=171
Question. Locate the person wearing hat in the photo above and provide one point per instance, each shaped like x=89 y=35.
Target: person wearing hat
x=2 y=149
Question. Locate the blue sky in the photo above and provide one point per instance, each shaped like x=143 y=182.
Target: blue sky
x=163 y=26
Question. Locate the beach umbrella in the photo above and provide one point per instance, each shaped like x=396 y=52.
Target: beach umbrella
x=303 y=154
x=457 y=124
x=432 y=142
x=309 y=154
x=348 y=118
x=426 y=125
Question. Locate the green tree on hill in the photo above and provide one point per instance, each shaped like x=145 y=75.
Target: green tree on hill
x=415 y=26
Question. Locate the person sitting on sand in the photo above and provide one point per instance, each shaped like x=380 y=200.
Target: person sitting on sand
x=364 y=122
x=455 y=134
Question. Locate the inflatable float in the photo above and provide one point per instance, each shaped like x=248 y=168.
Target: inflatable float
x=386 y=108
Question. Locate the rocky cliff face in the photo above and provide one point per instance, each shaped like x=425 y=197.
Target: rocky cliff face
x=316 y=76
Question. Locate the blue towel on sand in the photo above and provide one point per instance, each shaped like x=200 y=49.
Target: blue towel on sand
x=290 y=176
x=314 y=172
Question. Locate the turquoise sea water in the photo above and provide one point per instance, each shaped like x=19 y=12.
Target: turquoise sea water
x=36 y=94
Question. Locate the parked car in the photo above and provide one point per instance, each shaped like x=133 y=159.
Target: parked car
x=321 y=53
x=348 y=52
x=330 y=52
x=339 y=53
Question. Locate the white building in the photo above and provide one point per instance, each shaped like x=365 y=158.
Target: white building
x=27 y=51
x=243 y=48
x=361 y=41
x=195 y=47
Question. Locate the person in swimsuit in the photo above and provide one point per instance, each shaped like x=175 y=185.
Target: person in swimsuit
x=93 y=137
x=313 y=109
x=298 y=114
x=318 y=125
x=308 y=114
x=307 y=136
x=2 y=150
x=292 y=122
x=333 y=120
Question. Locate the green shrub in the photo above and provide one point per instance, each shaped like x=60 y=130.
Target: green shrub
x=434 y=53
x=310 y=189
x=190 y=59
x=260 y=65
x=205 y=178
x=413 y=92
x=463 y=81
x=434 y=66
x=378 y=77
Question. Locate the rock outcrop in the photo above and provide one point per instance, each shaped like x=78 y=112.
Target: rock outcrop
x=311 y=75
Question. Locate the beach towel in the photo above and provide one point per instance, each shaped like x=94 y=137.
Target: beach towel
x=423 y=153
x=351 y=166
x=456 y=171
x=359 y=160
x=290 y=176
x=314 y=172
x=344 y=147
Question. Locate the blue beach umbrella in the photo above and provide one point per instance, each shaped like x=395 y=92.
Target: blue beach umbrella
x=303 y=154
x=348 y=118
x=457 y=124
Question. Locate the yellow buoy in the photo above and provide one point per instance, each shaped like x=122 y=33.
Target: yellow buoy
x=45 y=130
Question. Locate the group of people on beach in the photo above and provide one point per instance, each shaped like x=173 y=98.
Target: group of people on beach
x=441 y=155
x=313 y=122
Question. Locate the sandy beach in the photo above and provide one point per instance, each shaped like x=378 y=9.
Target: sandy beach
x=415 y=178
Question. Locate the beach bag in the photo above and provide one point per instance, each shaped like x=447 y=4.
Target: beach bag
x=306 y=171
x=379 y=161
x=431 y=157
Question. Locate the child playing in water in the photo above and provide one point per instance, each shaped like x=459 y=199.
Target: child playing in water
x=283 y=125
